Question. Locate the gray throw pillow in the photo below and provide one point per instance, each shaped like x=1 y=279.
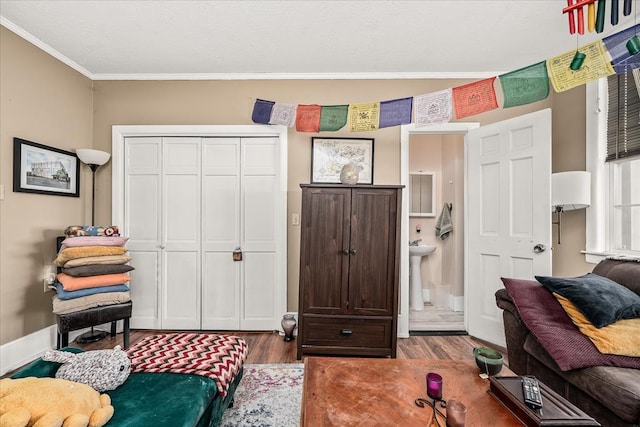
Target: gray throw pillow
x=601 y=300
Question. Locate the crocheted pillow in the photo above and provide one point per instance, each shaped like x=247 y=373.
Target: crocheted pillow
x=101 y=369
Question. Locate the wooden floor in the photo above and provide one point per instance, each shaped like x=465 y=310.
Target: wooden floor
x=269 y=347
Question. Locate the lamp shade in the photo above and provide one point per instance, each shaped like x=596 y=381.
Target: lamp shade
x=93 y=157
x=571 y=190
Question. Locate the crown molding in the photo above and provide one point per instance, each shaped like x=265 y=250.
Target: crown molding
x=45 y=47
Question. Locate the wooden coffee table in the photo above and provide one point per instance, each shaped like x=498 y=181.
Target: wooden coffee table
x=382 y=392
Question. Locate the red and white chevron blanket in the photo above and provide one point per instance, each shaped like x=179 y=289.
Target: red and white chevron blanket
x=219 y=357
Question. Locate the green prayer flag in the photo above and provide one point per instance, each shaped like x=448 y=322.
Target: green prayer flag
x=333 y=117
x=526 y=85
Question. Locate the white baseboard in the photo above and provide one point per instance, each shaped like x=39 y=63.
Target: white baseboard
x=24 y=350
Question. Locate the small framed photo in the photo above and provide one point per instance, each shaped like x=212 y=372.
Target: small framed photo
x=41 y=169
x=329 y=155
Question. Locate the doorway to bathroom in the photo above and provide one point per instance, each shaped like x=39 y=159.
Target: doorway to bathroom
x=433 y=170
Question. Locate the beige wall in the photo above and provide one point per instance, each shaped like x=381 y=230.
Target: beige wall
x=44 y=101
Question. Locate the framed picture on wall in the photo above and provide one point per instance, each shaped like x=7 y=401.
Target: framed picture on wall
x=329 y=155
x=41 y=169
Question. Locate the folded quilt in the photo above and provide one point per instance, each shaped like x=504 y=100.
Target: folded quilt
x=74 y=283
x=72 y=242
x=91 y=230
x=219 y=357
x=87 y=251
x=104 y=260
x=97 y=269
x=90 y=301
x=65 y=295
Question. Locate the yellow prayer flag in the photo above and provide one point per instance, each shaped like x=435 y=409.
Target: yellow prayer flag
x=596 y=65
x=364 y=117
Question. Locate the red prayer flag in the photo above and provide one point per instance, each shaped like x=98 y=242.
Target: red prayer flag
x=474 y=98
x=308 y=118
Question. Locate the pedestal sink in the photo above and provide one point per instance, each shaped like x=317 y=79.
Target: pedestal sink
x=416 y=301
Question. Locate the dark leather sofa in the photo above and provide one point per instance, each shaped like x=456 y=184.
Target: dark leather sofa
x=618 y=403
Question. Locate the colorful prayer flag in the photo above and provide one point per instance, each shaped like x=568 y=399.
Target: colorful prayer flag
x=308 y=118
x=333 y=117
x=525 y=86
x=616 y=44
x=395 y=112
x=262 y=111
x=433 y=108
x=474 y=98
x=364 y=117
x=596 y=65
x=283 y=114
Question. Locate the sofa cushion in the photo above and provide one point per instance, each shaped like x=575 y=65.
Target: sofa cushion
x=623 y=272
x=616 y=388
x=600 y=299
x=543 y=315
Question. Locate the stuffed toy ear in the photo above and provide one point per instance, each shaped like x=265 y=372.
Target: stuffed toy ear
x=58 y=356
x=101 y=369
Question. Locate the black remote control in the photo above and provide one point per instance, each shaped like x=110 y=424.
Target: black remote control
x=531 y=392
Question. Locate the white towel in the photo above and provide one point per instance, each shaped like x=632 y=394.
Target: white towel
x=444 y=226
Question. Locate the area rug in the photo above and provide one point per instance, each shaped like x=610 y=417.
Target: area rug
x=267 y=396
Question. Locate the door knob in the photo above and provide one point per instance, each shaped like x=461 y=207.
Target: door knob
x=539 y=248
x=345 y=252
x=352 y=251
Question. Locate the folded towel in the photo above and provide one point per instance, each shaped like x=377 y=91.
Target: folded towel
x=444 y=226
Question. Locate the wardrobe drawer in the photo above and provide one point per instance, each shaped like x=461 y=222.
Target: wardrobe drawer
x=347 y=332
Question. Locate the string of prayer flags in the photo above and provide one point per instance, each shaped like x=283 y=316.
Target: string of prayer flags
x=617 y=53
x=474 y=98
x=333 y=117
x=395 y=112
x=308 y=118
x=283 y=114
x=596 y=65
x=525 y=86
x=364 y=117
x=262 y=111
x=433 y=108
x=621 y=56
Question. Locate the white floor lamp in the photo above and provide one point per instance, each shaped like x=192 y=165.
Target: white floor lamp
x=94 y=159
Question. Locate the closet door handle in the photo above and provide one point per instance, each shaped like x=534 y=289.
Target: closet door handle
x=346 y=332
x=352 y=251
x=345 y=252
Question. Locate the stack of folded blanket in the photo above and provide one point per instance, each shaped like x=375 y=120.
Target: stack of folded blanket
x=92 y=269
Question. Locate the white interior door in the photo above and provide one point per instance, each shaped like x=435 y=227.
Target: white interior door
x=180 y=274
x=221 y=233
x=142 y=207
x=261 y=223
x=508 y=188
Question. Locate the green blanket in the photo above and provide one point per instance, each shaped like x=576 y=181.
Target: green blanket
x=156 y=399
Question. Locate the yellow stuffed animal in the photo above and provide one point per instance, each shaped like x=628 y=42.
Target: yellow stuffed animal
x=52 y=402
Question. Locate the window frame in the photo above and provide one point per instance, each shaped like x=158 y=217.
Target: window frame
x=599 y=228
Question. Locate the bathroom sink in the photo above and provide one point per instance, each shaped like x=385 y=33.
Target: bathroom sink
x=421 y=250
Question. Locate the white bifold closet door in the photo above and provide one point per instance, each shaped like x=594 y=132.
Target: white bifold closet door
x=239 y=213
x=190 y=202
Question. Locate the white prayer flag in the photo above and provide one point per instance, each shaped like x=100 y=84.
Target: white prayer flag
x=283 y=114
x=433 y=108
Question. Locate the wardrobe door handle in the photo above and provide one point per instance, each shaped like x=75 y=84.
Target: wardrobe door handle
x=352 y=251
x=346 y=332
x=345 y=252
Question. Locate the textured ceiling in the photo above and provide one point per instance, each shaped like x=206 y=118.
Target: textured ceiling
x=296 y=38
